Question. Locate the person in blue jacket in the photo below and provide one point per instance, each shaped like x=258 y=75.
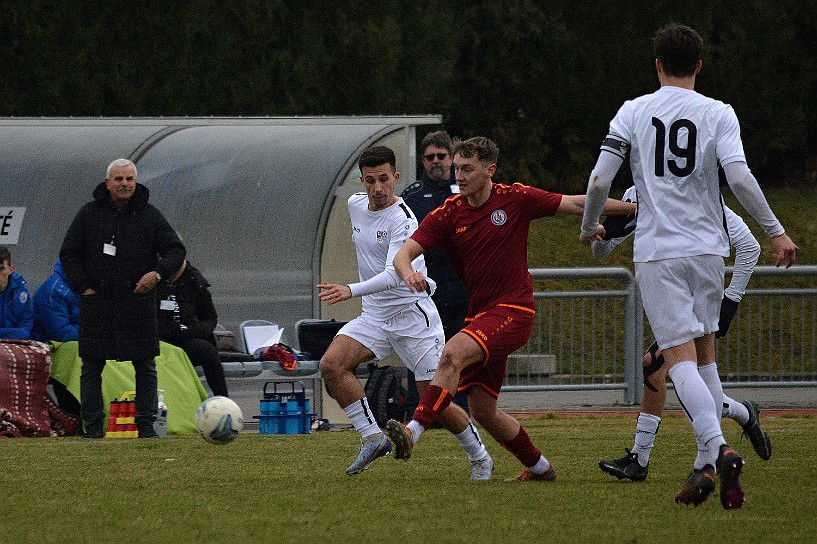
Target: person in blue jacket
x=56 y=309
x=56 y=317
x=16 y=309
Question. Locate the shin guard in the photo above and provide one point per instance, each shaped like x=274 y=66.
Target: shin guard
x=434 y=400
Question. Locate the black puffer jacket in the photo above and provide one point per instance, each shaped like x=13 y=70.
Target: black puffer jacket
x=115 y=323
x=195 y=316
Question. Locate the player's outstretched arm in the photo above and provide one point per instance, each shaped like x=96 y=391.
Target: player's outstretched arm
x=617 y=228
x=334 y=293
x=748 y=192
x=574 y=205
x=612 y=208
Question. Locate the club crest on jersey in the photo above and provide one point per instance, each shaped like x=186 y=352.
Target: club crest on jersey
x=499 y=217
x=381 y=236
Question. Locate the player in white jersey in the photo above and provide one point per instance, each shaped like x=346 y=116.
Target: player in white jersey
x=634 y=466
x=394 y=319
x=676 y=138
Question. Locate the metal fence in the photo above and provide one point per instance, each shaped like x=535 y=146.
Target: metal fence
x=594 y=339
x=773 y=338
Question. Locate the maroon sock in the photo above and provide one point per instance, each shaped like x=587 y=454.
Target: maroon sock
x=523 y=448
x=434 y=400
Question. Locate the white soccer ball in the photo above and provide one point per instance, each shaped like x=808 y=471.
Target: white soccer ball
x=219 y=420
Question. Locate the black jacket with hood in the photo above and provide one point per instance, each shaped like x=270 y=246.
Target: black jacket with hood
x=195 y=316
x=115 y=323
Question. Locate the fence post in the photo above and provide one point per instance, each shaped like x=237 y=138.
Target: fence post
x=633 y=342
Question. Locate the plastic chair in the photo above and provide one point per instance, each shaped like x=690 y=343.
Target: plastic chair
x=255 y=328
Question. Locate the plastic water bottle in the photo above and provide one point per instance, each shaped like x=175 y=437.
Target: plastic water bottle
x=161 y=418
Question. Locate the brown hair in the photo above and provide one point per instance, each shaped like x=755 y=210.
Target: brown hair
x=439 y=139
x=486 y=151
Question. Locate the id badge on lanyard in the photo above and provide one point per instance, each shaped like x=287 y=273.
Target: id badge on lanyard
x=110 y=247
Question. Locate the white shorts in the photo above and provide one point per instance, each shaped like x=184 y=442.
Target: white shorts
x=681 y=297
x=415 y=334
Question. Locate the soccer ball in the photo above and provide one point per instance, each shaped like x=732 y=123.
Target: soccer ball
x=219 y=420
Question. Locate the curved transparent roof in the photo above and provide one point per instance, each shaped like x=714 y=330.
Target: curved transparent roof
x=249 y=196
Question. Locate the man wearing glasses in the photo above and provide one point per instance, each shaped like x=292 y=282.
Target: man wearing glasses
x=430 y=191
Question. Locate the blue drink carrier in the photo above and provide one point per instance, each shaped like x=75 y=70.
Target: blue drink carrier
x=285 y=409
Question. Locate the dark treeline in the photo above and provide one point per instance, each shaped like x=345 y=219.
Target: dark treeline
x=541 y=78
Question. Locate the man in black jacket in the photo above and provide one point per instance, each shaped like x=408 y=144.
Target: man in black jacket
x=187 y=318
x=109 y=255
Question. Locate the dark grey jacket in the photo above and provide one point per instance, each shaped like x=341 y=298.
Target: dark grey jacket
x=115 y=323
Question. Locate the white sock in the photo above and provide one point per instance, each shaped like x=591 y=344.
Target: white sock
x=416 y=430
x=471 y=442
x=541 y=466
x=362 y=418
x=709 y=373
x=646 y=428
x=736 y=410
x=699 y=407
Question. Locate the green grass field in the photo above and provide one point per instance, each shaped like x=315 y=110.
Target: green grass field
x=293 y=489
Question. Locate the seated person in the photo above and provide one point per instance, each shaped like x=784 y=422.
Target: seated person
x=56 y=309
x=187 y=318
x=16 y=308
x=56 y=317
x=27 y=412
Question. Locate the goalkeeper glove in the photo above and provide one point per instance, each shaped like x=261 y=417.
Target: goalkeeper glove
x=618 y=226
x=728 y=310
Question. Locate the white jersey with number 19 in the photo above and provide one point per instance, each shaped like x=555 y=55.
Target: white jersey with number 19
x=677 y=137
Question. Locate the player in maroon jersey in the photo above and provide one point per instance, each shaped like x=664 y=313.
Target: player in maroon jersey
x=484 y=231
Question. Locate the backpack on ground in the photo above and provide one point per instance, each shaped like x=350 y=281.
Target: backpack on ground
x=386 y=393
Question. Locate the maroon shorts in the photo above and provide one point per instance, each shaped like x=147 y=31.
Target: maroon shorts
x=499 y=331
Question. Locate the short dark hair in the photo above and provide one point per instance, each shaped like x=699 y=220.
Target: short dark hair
x=485 y=150
x=439 y=139
x=5 y=255
x=375 y=156
x=678 y=47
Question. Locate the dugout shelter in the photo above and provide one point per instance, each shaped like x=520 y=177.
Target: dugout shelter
x=260 y=202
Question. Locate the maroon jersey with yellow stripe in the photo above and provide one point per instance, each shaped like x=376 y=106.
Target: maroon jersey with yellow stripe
x=487 y=245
